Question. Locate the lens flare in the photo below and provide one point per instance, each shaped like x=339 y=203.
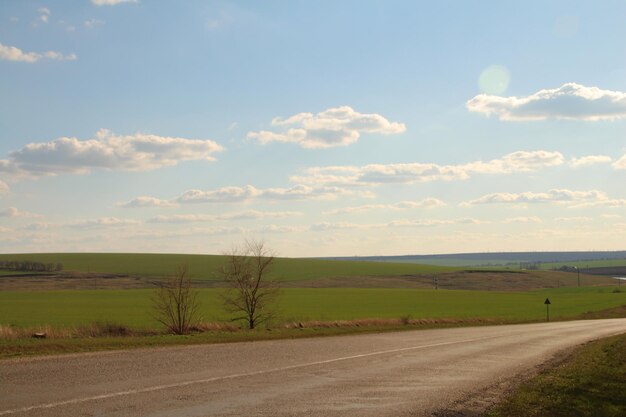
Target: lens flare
x=494 y=79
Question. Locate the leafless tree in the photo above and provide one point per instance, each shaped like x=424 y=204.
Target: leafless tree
x=175 y=303
x=251 y=293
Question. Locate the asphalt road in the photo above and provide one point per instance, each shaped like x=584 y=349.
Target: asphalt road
x=412 y=373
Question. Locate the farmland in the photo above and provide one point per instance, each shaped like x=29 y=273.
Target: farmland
x=205 y=267
x=132 y=307
x=75 y=306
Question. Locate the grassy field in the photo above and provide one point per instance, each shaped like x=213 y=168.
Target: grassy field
x=604 y=263
x=205 y=267
x=133 y=307
x=590 y=382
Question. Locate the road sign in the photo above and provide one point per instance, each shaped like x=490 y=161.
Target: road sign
x=547 y=303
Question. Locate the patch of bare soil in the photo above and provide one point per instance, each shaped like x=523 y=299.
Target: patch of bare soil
x=461 y=280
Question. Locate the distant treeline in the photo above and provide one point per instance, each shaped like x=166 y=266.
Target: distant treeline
x=30 y=266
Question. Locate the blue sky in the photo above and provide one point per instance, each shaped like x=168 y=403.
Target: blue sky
x=324 y=128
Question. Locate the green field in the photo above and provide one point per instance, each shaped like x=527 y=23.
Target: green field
x=205 y=267
x=132 y=307
x=604 y=263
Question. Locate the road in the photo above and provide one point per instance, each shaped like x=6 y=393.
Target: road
x=411 y=373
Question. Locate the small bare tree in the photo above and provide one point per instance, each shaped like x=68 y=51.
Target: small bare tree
x=175 y=303
x=250 y=293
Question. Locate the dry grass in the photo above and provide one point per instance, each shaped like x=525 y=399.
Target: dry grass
x=97 y=329
x=394 y=322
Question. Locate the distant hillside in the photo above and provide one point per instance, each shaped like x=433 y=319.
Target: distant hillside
x=493 y=258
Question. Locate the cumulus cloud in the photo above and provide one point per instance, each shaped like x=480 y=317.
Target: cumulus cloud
x=233 y=194
x=402 y=205
x=327 y=226
x=44 y=15
x=243 y=215
x=102 y=222
x=14 y=212
x=523 y=219
x=111 y=2
x=182 y=218
x=620 y=163
x=11 y=53
x=571 y=101
x=419 y=223
x=611 y=203
x=339 y=126
x=401 y=223
x=376 y=174
x=575 y=219
x=221 y=195
x=552 y=196
x=589 y=160
x=139 y=152
x=257 y=215
x=146 y=201
x=92 y=23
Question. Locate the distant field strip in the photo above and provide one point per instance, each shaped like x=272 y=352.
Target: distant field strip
x=206 y=267
x=133 y=307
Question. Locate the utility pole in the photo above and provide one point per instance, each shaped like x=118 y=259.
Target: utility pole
x=578 y=271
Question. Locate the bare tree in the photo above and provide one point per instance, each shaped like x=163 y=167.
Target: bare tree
x=250 y=293
x=175 y=303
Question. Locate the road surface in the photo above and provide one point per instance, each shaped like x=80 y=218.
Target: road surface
x=411 y=373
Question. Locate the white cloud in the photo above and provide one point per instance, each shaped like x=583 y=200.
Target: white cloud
x=243 y=215
x=613 y=203
x=14 y=212
x=552 y=196
x=610 y=216
x=182 y=218
x=419 y=223
x=11 y=53
x=523 y=219
x=4 y=188
x=403 y=205
x=146 y=201
x=44 y=15
x=139 y=152
x=338 y=126
x=620 y=163
x=327 y=226
x=401 y=223
x=111 y=2
x=305 y=192
x=92 y=23
x=375 y=174
x=102 y=222
x=221 y=195
x=272 y=228
x=234 y=194
x=589 y=160
x=571 y=101
x=576 y=219
x=257 y=215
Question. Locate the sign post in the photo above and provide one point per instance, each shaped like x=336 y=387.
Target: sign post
x=547 y=303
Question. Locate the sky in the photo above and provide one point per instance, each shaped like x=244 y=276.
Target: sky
x=326 y=128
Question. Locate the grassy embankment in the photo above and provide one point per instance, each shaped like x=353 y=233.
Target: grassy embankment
x=589 y=382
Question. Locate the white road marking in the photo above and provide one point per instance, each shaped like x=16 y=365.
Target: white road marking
x=220 y=378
